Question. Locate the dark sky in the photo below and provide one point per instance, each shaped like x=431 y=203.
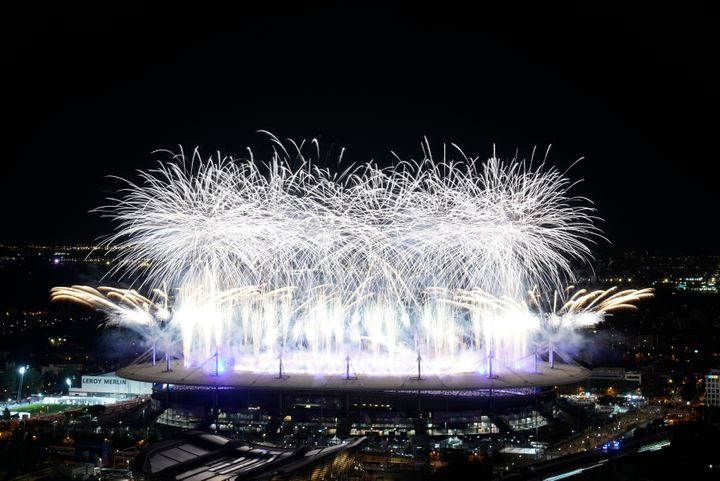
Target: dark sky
x=634 y=92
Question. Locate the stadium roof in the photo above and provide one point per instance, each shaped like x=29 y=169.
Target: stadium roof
x=504 y=378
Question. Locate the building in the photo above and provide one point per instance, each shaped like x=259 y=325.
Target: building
x=712 y=388
x=615 y=374
x=195 y=455
x=111 y=386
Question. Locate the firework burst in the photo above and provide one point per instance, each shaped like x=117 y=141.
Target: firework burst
x=255 y=261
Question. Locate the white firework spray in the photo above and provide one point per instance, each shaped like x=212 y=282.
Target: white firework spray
x=257 y=261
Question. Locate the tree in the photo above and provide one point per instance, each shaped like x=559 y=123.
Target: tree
x=8 y=380
x=32 y=382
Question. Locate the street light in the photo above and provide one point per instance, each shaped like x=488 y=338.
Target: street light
x=22 y=378
x=69 y=384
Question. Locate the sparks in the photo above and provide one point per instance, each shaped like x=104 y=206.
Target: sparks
x=427 y=259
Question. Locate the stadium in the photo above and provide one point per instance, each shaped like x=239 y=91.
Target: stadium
x=429 y=280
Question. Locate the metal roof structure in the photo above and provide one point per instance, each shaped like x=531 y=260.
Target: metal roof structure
x=503 y=377
x=200 y=456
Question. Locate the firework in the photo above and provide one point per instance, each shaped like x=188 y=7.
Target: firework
x=255 y=262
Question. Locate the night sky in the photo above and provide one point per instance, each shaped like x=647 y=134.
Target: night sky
x=633 y=92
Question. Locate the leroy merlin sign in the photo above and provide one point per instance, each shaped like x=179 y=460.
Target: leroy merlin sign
x=115 y=385
x=103 y=380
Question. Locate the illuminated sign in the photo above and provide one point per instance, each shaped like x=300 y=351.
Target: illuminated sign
x=115 y=385
x=103 y=380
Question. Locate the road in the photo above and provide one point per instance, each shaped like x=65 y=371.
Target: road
x=595 y=437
